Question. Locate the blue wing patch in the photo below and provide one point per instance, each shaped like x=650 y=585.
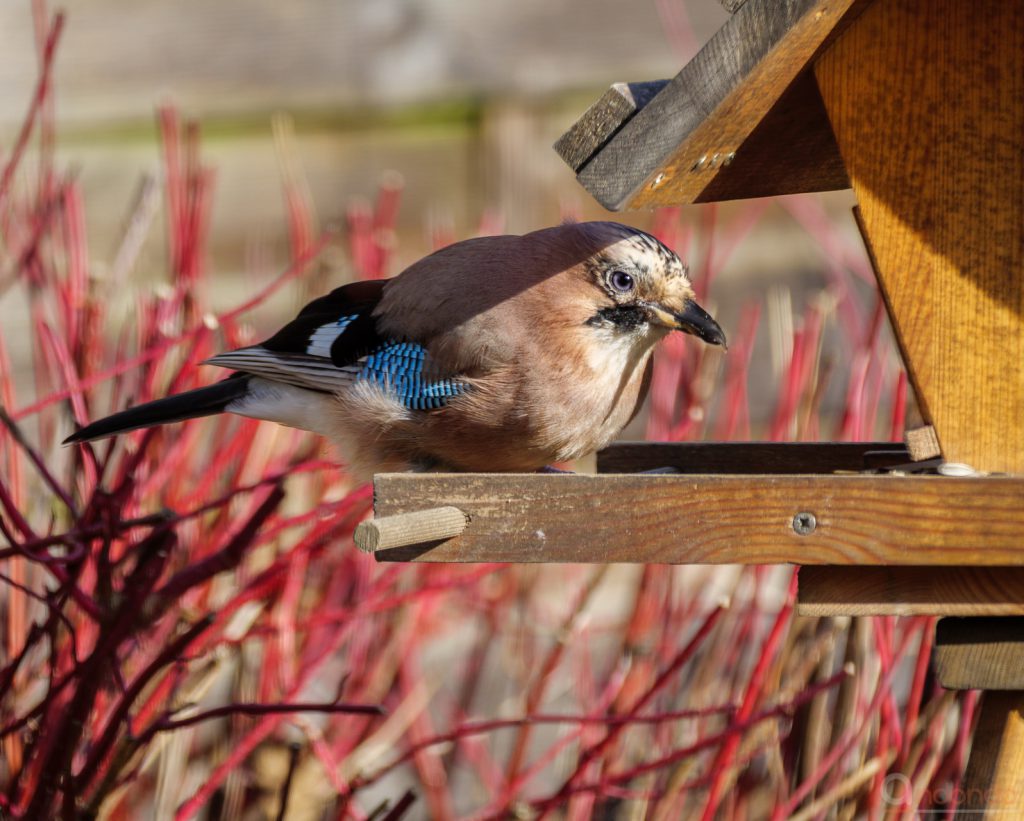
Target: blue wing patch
x=399 y=366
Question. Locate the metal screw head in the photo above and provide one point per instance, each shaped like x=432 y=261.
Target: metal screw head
x=804 y=523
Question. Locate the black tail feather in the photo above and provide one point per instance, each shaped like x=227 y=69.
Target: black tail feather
x=189 y=405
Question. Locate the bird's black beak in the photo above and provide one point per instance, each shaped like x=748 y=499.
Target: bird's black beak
x=691 y=320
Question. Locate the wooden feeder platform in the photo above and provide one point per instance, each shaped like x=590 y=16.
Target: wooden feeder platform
x=918 y=106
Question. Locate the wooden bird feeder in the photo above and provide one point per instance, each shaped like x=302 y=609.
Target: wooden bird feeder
x=918 y=105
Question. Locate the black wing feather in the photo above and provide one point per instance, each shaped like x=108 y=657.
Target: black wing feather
x=189 y=405
x=358 y=339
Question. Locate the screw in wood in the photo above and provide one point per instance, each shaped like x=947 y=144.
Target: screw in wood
x=804 y=523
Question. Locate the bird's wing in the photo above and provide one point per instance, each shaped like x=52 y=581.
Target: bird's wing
x=334 y=342
x=338 y=327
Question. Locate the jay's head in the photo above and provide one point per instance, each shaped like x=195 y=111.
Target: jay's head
x=639 y=288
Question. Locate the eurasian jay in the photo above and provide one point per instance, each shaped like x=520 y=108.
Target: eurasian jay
x=493 y=354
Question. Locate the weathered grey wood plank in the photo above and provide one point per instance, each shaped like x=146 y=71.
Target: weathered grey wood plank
x=603 y=119
x=858 y=519
x=750 y=457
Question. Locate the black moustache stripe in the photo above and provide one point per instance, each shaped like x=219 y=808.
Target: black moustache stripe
x=626 y=317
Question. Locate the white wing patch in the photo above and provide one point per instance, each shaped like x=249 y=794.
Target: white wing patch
x=322 y=338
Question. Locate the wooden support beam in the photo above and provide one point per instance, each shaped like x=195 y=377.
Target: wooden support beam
x=980 y=653
x=911 y=591
x=751 y=457
x=988 y=654
x=840 y=519
x=924 y=97
x=994 y=782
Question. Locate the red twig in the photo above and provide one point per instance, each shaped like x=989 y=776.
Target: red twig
x=170 y=654
x=42 y=91
x=723 y=761
x=168 y=724
x=706 y=743
x=681 y=658
x=843 y=744
x=224 y=559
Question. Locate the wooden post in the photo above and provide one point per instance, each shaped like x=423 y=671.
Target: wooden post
x=993 y=780
x=926 y=99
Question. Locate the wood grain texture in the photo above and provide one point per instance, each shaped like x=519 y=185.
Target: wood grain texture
x=790 y=151
x=750 y=457
x=926 y=98
x=980 y=653
x=860 y=519
x=994 y=780
x=603 y=119
x=922 y=443
x=911 y=591
x=416 y=527
x=673 y=149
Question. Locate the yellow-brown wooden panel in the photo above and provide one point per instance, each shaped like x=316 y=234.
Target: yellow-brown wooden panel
x=859 y=519
x=926 y=98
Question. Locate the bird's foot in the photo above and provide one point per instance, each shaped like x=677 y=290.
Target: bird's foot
x=550 y=469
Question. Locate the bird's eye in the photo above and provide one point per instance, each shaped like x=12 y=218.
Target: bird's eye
x=621 y=281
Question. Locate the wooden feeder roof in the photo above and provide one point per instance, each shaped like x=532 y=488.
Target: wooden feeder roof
x=744 y=118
